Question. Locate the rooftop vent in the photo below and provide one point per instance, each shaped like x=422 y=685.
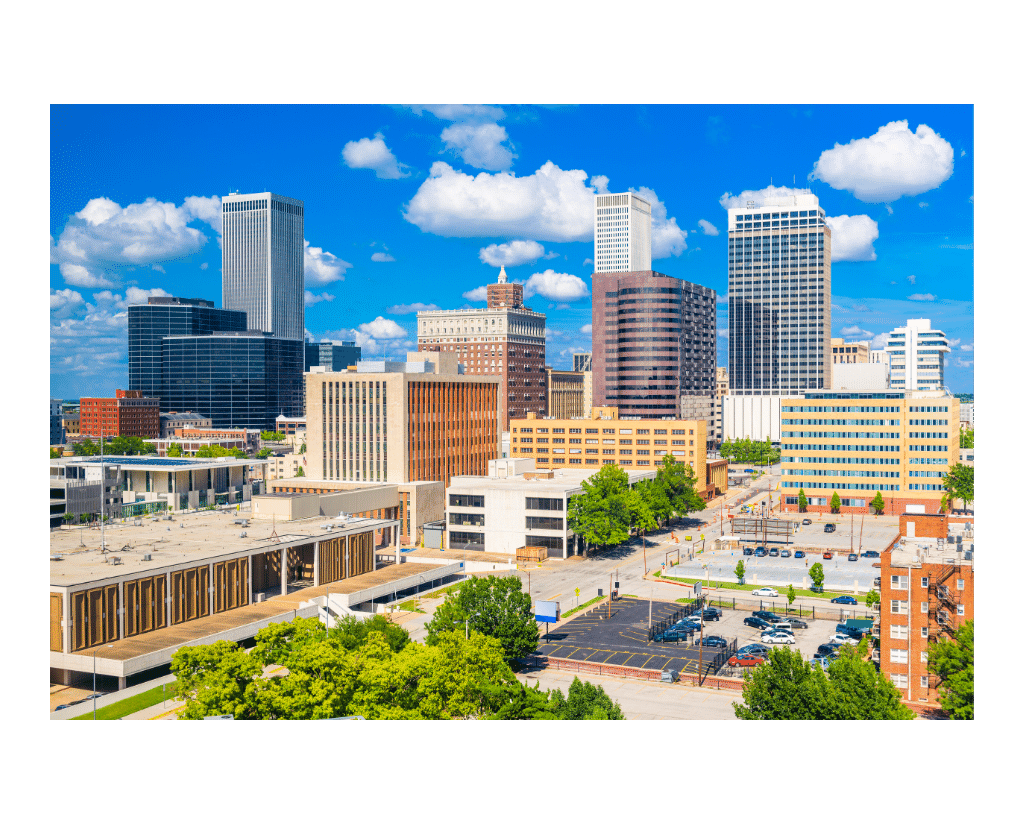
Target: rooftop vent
x=243 y=534
x=56 y=557
x=147 y=556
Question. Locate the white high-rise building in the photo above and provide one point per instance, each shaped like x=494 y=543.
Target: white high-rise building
x=780 y=297
x=916 y=356
x=622 y=233
x=262 y=262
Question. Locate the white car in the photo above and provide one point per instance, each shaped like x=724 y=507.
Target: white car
x=842 y=639
x=777 y=638
x=766 y=592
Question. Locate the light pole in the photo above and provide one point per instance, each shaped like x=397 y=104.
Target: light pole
x=94 y=680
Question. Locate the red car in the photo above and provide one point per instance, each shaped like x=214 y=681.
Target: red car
x=827 y=556
x=746 y=659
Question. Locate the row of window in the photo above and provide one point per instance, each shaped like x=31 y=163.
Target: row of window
x=823 y=485
x=561 y=430
x=842 y=435
x=840 y=422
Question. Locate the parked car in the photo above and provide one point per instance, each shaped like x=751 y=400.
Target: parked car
x=756 y=623
x=854 y=632
x=827 y=556
x=796 y=623
x=669 y=676
x=799 y=554
x=670 y=635
x=760 y=552
x=758 y=648
x=773 y=552
x=765 y=615
x=777 y=638
x=807 y=521
x=844 y=599
x=766 y=592
x=830 y=527
x=842 y=639
x=828 y=649
x=714 y=641
x=686 y=627
x=870 y=553
x=852 y=556
x=748 y=551
x=712 y=614
x=814 y=588
x=747 y=659
x=786 y=553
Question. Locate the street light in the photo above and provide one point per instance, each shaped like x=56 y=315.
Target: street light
x=94 y=680
x=466 y=622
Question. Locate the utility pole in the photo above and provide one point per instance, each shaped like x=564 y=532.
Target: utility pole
x=860 y=542
x=610 y=594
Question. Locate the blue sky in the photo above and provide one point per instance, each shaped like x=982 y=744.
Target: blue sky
x=419 y=205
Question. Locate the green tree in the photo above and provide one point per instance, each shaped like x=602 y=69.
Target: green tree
x=967 y=439
x=55 y=453
x=271 y=435
x=791 y=594
x=265 y=452
x=174 y=450
x=679 y=482
x=835 y=503
x=959 y=482
x=817 y=573
x=641 y=519
x=86 y=447
x=300 y=472
x=302 y=448
x=654 y=495
x=872 y=597
x=519 y=703
x=786 y=687
x=213 y=679
x=740 y=571
x=495 y=607
x=802 y=501
x=218 y=451
x=878 y=503
x=953 y=662
x=585 y=702
x=351 y=633
x=601 y=512
x=744 y=450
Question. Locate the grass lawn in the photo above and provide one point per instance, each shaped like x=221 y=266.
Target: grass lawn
x=567 y=613
x=801 y=593
x=438 y=593
x=149 y=698
x=409 y=606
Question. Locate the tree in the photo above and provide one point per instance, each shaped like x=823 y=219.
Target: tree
x=641 y=519
x=495 y=607
x=351 y=633
x=302 y=448
x=218 y=451
x=791 y=594
x=802 y=501
x=740 y=571
x=873 y=597
x=601 y=513
x=817 y=573
x=213 y=680
x=585 y=702
x=959 y=482
x=967 y=439
x=654 y=496
x=55 y=453
x=174 y=450
x=265 y=452
x=878 y=503
x=786 y=687
x=835 y=503
x=86 y=447
x=300 y=472
x=679 y=481
x=744 y=450
x=271 y=435
x=953 y=662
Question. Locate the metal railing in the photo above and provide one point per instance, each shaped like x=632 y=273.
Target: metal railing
x=686 y=611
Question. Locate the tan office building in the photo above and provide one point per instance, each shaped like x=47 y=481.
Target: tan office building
x=604 y=438
x=424 y=420
x=853 y=352
x=857 y=444
x=569 y=394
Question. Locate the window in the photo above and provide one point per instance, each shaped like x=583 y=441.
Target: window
x=899 y=607
x=536 y=522
x=466 y=518
x=465 y=500
x=899 y=681
x=898 y=656
x=924 y=582
x=924 y=680
x=924 y=632
x=899 y=632
x=899 y=582
x=924 y=607
x=960 y=609
x=959 y=583
x=924 y=657
x=550 y=504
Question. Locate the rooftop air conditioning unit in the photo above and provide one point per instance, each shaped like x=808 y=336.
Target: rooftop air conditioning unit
x=147 y=557
x=56 y=557
x=261 y=597
x=243 y=534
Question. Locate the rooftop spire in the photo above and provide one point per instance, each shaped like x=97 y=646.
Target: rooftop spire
x=502 y=277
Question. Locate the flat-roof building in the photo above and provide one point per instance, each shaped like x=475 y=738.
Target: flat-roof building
x=172 y=422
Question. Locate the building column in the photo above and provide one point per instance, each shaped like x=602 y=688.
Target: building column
x=169 y=599
x=284 y=571
x=248 y=581
x=122 y=683
x=209 y=594
x=121 y=609
x=316 y=563
x=66 y=629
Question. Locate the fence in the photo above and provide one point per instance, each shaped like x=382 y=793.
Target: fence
x=587 y=668
x=686 y=611
x=831 y=612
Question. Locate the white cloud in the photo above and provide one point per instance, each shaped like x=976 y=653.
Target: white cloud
x=891 y=163
x=480 y=145
x=888 y=208
x=963 y=152
x=77 y=275
x=204 y=266
x=460 y=111
x=666 y=237
x=323 y=267
x=409 y=308
x=373 y=153
x=768 y=194
x=587 y=329
x=967 y=347
x=723 y=333
x=551 y=255
x=912 y=279
x=134 y=296
x=880 y=340
x=65 y=303
x=382 y=257
x=311 y=298
x=600 y=184
x=382 y=328
x=919 y=296
x=552 y=333
x=962 y=362
x=513 y=253
x=158 y=268
x=923 y=205
x=556 y=286
x=588 y=262
x=478 y=294
x=855 y=333
x=852 y=237
x=707 y=227
x=953 y=342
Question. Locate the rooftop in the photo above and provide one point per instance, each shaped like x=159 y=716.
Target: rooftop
x=563 y=479
x=156 y=464
x=917 y=551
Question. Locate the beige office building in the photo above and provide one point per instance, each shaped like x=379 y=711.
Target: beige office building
x=569 y=394
x=850 y=351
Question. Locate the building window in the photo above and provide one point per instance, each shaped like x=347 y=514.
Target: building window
x=466 y=518
x=924 y=681
x=959 y=583
x=898 y=681
x=960 y=609
x=924 y=632
x=898 y=607
x=466 y=500
x=924 y=657
x=924 y=607
x=924 y=582
x=899 y=582
x=898 y=656
x=899 y=632
x=546 y=504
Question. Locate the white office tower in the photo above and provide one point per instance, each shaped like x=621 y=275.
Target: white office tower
x=916 y=356
x=262 y=259
x=622 y=233
x=780 y=297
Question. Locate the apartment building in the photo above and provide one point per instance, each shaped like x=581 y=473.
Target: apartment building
x=605 y=438
x=901 y=444
x=129 y=414
x=917 y=356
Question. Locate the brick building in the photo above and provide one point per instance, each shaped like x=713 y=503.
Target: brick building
x=129 y=414
x=927 y=589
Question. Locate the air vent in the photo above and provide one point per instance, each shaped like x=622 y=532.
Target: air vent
x=147 y=557
x=56 y=557
x=243 y=534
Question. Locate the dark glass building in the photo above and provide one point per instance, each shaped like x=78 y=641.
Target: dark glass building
x=654 y=341
x=150 y=323
x=237 y=379
x=336 y=357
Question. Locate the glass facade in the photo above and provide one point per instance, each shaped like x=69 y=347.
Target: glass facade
x=336 y=357
x=237 y=380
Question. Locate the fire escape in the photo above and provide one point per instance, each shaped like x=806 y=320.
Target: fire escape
x=943 y=601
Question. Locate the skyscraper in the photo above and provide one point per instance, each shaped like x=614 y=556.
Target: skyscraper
x=262 y=272
x=780 y=304
x=917 y=356
x=622 y=233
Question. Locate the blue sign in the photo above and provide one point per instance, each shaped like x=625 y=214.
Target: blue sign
x=547 y=611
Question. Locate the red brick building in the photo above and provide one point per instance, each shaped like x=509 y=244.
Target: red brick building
x=927 y=589
x=128 y=414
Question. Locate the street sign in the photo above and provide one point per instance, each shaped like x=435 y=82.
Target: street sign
x=577 y=591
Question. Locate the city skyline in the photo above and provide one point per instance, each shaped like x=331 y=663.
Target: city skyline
x=414 y=207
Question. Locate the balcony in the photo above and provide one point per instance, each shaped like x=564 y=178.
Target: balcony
x=876 y=655
x=876 y=630
x=946 y=595
x=877 y=606
x=878 y=583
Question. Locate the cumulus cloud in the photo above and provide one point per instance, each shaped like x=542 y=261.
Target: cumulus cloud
x=382 y=329
x=158 y=268
x=853 y=237
x=723 y=333
x=409 y=308
x=587 y=329
x=891 y=163
x=588 y=262
x=888 y=208
x=953 y=342
x=105 y=237
x=962 y=362
x=919 y=296
x=513 y=253
x=480 y=145
x=66 y=303
x=707 y=227
x=311 y=298
x=382 y=257
x=761 y=197
x=912 y=279
x=666 y=237
x=460 y=111
x=204 y=266
x=134 y=296
x=855 y=333
x=476 y=295
x=967 y=347
x=923 y=205
x=600 y=184
x=373 y=153
x=556 y=286
x=323 y=267
x=374 y=338
x=880 y=340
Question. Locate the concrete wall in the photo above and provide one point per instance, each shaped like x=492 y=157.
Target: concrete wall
x=859 y=377
x=752 y=416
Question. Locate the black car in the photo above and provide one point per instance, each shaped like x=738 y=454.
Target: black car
x=757 y=648
x=814 y=588
x=799 y=554
x=760 y=552
x=773 y=552
x=830 y=527
x=870 y=553
x=852 y=556
x=747 y=550
x=785 y=553
x=796 y=623
x=828 y=649
x=714 y=641
x=807 y=521
x=757 y=623
x=712 y=614
x=766 y=615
